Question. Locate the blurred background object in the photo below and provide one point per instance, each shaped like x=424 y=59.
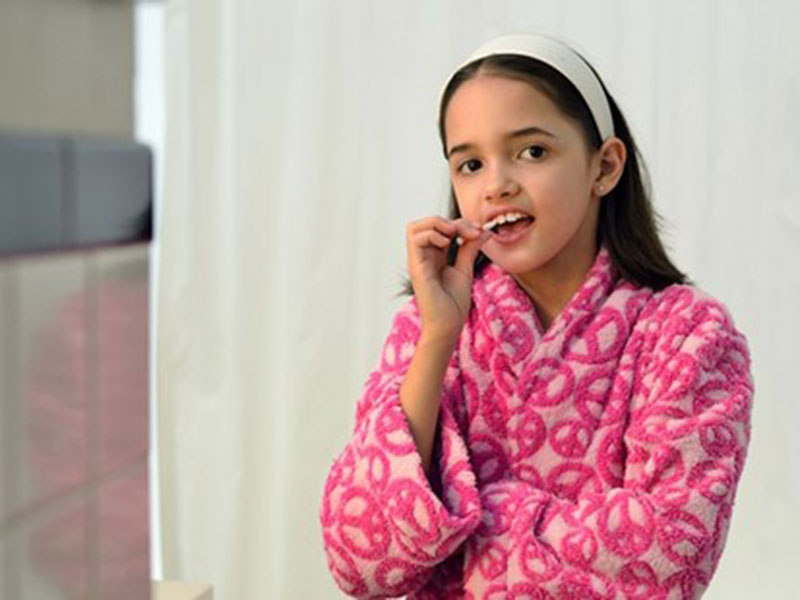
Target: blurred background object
x=74 y=311
x=76 y=208
x=67 y=66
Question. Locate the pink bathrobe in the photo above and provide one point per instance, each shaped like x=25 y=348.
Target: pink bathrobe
x=598 y=459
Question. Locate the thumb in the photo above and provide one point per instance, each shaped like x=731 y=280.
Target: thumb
x=468 y=252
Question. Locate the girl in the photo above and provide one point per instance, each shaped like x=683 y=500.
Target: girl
x=557 y=411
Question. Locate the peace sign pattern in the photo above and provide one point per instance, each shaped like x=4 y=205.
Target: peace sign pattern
x=596 y=459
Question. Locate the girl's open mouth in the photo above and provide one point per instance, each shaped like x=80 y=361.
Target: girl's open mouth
x=508 y=233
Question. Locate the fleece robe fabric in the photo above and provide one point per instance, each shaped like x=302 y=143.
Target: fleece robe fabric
x=597 y=459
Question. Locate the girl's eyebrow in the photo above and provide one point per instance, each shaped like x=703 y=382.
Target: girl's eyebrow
x=514 y=134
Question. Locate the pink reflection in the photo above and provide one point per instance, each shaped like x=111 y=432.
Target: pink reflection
x=87 y=424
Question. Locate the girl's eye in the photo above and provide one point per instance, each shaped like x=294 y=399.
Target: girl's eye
x=536 y=147
x=540 y=150
x=466 y=162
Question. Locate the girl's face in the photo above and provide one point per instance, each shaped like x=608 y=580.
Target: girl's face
x=548 y=174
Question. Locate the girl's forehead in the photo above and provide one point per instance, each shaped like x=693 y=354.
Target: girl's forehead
x=492 y=101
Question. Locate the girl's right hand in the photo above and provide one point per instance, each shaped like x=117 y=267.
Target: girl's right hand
x=443 y=292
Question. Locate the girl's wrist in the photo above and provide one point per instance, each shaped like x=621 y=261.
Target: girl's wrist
x=437 y=337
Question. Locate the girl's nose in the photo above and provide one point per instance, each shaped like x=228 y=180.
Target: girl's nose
x=500 y=185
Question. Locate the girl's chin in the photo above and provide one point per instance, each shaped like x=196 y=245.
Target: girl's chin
x=515 y=264
x=517 y=260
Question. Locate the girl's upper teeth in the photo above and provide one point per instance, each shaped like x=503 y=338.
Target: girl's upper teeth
x=506 y=218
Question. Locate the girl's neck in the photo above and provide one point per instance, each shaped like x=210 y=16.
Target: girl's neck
x=552 y=286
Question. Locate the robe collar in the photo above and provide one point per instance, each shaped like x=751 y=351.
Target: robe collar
x=508 y=315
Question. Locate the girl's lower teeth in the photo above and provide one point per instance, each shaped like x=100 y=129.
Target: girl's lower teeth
x=509 y=230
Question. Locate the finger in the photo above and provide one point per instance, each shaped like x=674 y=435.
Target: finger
x=431 y=237
x=467 y=228
x=465 y=259
x=437 y=239
x=461 y=229
x=445 y=226
x=477 y=242
x=429 y=222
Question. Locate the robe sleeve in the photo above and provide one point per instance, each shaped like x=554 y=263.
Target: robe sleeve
x=661 y=534
x=385 y=525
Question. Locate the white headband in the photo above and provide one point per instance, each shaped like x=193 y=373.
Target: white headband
x=559 y=56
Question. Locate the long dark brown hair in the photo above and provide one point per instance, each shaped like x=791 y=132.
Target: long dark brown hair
x=627 y=221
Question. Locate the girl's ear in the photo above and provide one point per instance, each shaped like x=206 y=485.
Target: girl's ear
x=611 y=163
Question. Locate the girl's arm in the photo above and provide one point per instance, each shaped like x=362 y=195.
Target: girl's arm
x=385 y=525
x=420 y=394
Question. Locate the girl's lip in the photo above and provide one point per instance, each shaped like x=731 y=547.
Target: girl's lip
x=515 y=237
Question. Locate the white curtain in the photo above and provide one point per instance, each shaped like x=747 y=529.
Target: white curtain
x=301 y=137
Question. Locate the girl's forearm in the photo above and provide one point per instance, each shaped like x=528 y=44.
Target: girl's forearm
x=421 y=391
